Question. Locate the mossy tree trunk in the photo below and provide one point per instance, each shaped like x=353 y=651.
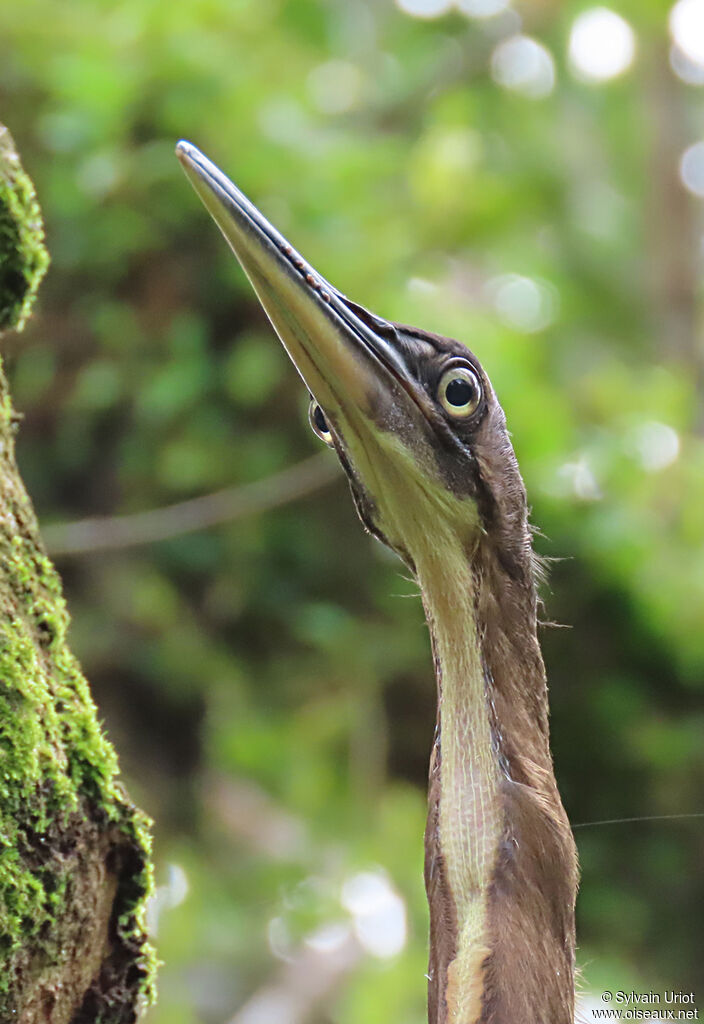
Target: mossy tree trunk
x=74 y=853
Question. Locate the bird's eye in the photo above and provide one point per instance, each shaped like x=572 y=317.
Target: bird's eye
x=460 y=392
x=319 y=423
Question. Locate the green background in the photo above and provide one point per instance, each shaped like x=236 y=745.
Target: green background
x=266 y=681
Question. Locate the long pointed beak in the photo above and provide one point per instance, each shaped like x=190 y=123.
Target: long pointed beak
x=346 y=362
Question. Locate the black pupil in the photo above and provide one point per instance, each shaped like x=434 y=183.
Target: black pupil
x=319 y=420
x=459 y=392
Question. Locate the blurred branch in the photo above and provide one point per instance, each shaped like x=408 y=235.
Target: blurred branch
x=103 y=533
x=313 y=972
x=250 y=816
x=306 y=982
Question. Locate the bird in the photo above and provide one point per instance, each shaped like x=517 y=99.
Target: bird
x=422 y=439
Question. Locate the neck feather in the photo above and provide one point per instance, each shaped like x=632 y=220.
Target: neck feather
x=500 y=859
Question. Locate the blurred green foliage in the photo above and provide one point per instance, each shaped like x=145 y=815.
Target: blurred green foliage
x=271 y=694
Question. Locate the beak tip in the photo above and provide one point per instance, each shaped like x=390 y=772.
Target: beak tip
x=185 y=151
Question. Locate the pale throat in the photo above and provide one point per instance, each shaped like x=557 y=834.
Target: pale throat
x=470 y=811
x=438 y=530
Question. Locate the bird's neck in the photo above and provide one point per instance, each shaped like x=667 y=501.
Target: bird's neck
x=500 y=861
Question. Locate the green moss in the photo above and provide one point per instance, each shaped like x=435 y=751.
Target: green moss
x=23 y=258
x=61 y=802
x=55 y=763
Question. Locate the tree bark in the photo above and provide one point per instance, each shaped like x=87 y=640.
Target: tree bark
x=75 y=869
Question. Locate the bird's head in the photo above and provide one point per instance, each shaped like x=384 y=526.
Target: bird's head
x=412 y=415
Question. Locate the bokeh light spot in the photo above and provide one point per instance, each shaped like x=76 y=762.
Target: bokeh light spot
x=692 y=169
x=378 y=912
x=521 y=302
x=424 y=8
x=656 y=445
x=576 y=479
x=329 y=938
x=525 y=66
x=687 y=28
x=99 y=174
x=602 y=45
x=482 y=8
x=686 y=69
x=167 y=896
x=335 y=86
